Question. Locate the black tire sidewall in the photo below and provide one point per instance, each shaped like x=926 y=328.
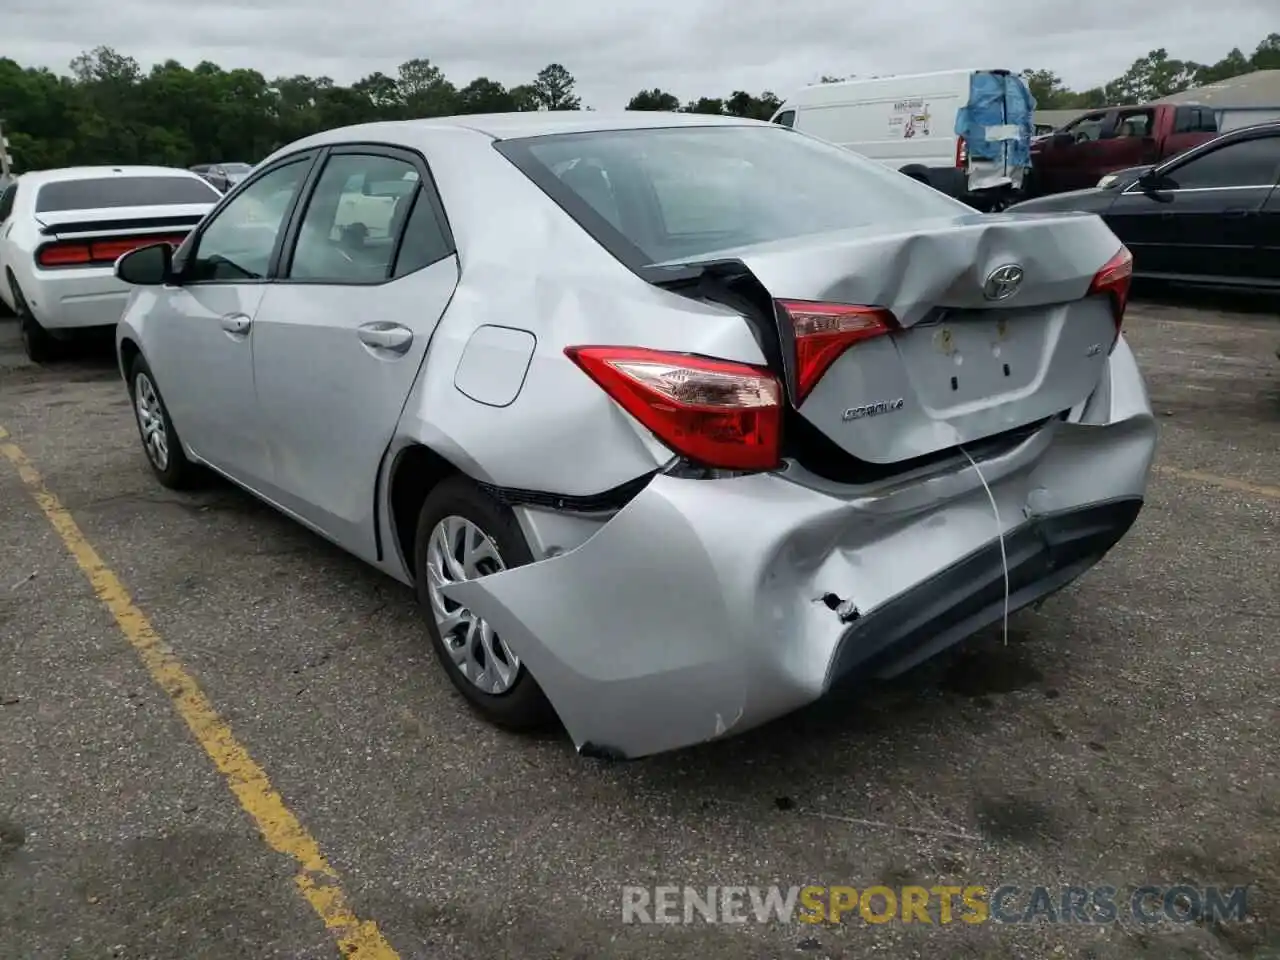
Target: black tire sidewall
x=524 y=706
x=177 y=474
x=37 y=343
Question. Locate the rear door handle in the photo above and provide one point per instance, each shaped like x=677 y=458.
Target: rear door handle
x=391 y=337
x=236 y=324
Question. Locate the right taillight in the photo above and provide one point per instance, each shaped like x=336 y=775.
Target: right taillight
x=1114 y=280
x=713 y=412
x=823 y=331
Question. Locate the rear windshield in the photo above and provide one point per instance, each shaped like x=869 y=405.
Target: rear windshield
x=103 y=192
x=679 y=193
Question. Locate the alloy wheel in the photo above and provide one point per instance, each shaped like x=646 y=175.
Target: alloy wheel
x=155 y=438
x=458 y=550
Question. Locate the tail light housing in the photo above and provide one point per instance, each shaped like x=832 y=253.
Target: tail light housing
x=714 y=412
x=962 y=153
x=823 y=331
x=98 y=252
x=1114 y=280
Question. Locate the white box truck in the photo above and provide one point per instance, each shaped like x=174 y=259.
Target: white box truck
x=964 y=132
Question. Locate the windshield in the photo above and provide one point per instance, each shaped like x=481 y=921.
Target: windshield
x=677 y=193
x=102 y=192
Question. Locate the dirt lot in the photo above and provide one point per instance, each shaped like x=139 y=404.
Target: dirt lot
x=1128 y=734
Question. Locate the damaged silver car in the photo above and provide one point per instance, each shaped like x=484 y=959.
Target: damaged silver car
x=673 y=421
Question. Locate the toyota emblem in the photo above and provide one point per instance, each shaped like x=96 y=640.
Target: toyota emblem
x=1002 y=282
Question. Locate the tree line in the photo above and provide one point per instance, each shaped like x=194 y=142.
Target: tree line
x=109 y=110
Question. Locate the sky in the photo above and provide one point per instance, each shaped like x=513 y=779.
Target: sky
x=691 y=48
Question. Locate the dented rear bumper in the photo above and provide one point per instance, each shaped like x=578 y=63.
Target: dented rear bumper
x=706 y=607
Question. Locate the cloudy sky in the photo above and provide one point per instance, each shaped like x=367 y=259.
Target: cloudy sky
x=615 y=47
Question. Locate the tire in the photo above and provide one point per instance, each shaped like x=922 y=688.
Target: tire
x=37 y=343
x=173 y=469
x=510 y=699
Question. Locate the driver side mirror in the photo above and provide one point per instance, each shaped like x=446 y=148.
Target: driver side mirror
x=149 y=266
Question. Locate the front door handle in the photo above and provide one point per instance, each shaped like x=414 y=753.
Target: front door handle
x=236 y=324
x=391 y=337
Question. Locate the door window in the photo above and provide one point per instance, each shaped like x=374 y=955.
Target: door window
x=1135 y=123
x=1244 y=163
x=1086 y=129
x=787 y=118
x=238 y=242
x=355 y=218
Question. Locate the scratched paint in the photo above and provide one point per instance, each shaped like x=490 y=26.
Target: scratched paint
x=316 y=879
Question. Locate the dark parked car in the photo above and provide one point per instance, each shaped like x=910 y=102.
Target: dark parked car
x=1210 y=215
x=224 y=176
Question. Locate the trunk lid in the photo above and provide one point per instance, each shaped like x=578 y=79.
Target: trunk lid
x=960 y=366
x=165 y=219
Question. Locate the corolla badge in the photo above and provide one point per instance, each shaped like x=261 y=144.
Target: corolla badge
x=1002 y=282
x=872 y=409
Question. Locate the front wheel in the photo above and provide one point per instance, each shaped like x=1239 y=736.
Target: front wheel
x=159 y=439
x=462 y=534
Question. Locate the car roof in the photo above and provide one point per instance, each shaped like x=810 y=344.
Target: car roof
x=544 y=123
x=63 y=174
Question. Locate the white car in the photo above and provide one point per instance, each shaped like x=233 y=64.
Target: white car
x=61 y=232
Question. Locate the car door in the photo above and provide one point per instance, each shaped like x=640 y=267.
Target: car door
x=199 y=339
x=1130 y=142
x=1269 y=249
x=1065 y=159
x=1211 y=225
x=342 y=333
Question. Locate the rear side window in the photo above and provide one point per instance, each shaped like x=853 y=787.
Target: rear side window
x=1195 y=120
x=101 y=192
x=1244 y=163
x=678 y=193
x=6 y=201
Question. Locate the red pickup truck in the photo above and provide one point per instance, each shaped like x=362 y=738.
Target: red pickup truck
x=1078 y=155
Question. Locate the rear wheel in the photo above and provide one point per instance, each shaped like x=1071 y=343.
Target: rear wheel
x=37 y=343
x=159 y=439
x=463 y=534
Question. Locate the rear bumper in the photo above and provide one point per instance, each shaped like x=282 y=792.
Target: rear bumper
x=704 y=608
x=73 y=298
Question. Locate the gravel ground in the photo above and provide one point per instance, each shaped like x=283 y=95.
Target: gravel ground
x=1128 y=733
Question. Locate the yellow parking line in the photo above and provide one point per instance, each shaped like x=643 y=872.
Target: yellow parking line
x=316 y=879
x=1228 y=483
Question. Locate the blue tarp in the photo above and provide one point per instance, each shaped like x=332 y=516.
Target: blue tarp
x=996 y=100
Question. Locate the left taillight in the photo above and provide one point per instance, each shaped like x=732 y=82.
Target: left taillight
x=1114 y=280
x=716 y=413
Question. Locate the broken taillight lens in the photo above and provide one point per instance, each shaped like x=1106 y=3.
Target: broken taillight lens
x=713 y=412
x=823 y=331
x=1114 y=279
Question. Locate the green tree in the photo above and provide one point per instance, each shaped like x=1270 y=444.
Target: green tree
x=553 y=89
x=655 y=99
x=709 y=105
x=425 y=91
x=483 y=95
x=1154 y=76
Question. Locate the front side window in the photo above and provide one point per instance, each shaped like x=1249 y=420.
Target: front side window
x=237 y=243
x=6 y=201
x=678 y=193
x=1244 y=163
x=1086 y=129
x=354 y=218
x=787 y=118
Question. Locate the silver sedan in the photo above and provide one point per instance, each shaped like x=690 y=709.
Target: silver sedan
x=672 y=421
